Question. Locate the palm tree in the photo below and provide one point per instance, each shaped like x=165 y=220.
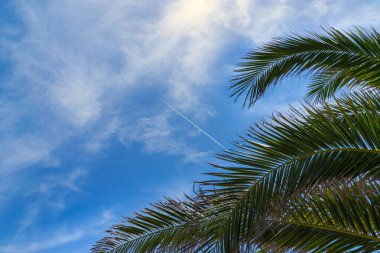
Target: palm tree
x=303 y=181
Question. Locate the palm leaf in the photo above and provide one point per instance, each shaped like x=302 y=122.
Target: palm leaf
x=337 y=217
x=292 y=153
x=170 y=226
x=284 y=157
x=334 y=60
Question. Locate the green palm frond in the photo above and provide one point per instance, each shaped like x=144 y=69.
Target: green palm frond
x=281 y=163
x=170 y=226
x=334 y=60
x=337 y=217
x=325 y=84
x=291 y=153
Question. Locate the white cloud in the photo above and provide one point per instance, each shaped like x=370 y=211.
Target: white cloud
x=106 y=217
x=98 y=140
x=158 y=135
x=78 y=60
x=83 y=233
x=52 y=195
x=39 y=245
x=29 y=150
x=71 y=182
x=32 y=212
x=63 y=182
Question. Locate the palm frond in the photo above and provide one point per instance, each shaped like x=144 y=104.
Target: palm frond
x=287 y=156
x=338 y=217
x=337 y=58
x=305 y=181
x=324 y=85
x=292 y=153
x=170 y=226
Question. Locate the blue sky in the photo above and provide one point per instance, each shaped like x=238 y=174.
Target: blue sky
x=85 y=137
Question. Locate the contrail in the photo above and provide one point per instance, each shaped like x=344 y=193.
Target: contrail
x=188 y=120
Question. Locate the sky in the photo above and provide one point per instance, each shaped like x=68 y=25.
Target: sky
x=91 y=98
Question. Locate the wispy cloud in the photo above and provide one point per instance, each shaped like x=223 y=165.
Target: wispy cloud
x=39 y=245
x=55 y=188
x=158 y=135
x=80 y=60
x=83 y=234
x=29 y=150
x=69 y=182
x=33 y=211
x=51 y=198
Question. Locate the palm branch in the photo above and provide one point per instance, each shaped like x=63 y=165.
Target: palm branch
x=334 y=60
x=170 y=226
x=336 y=217
x=279 y=160
x=292 y=153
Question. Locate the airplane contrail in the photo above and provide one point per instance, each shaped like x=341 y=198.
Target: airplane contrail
x=192 y=123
